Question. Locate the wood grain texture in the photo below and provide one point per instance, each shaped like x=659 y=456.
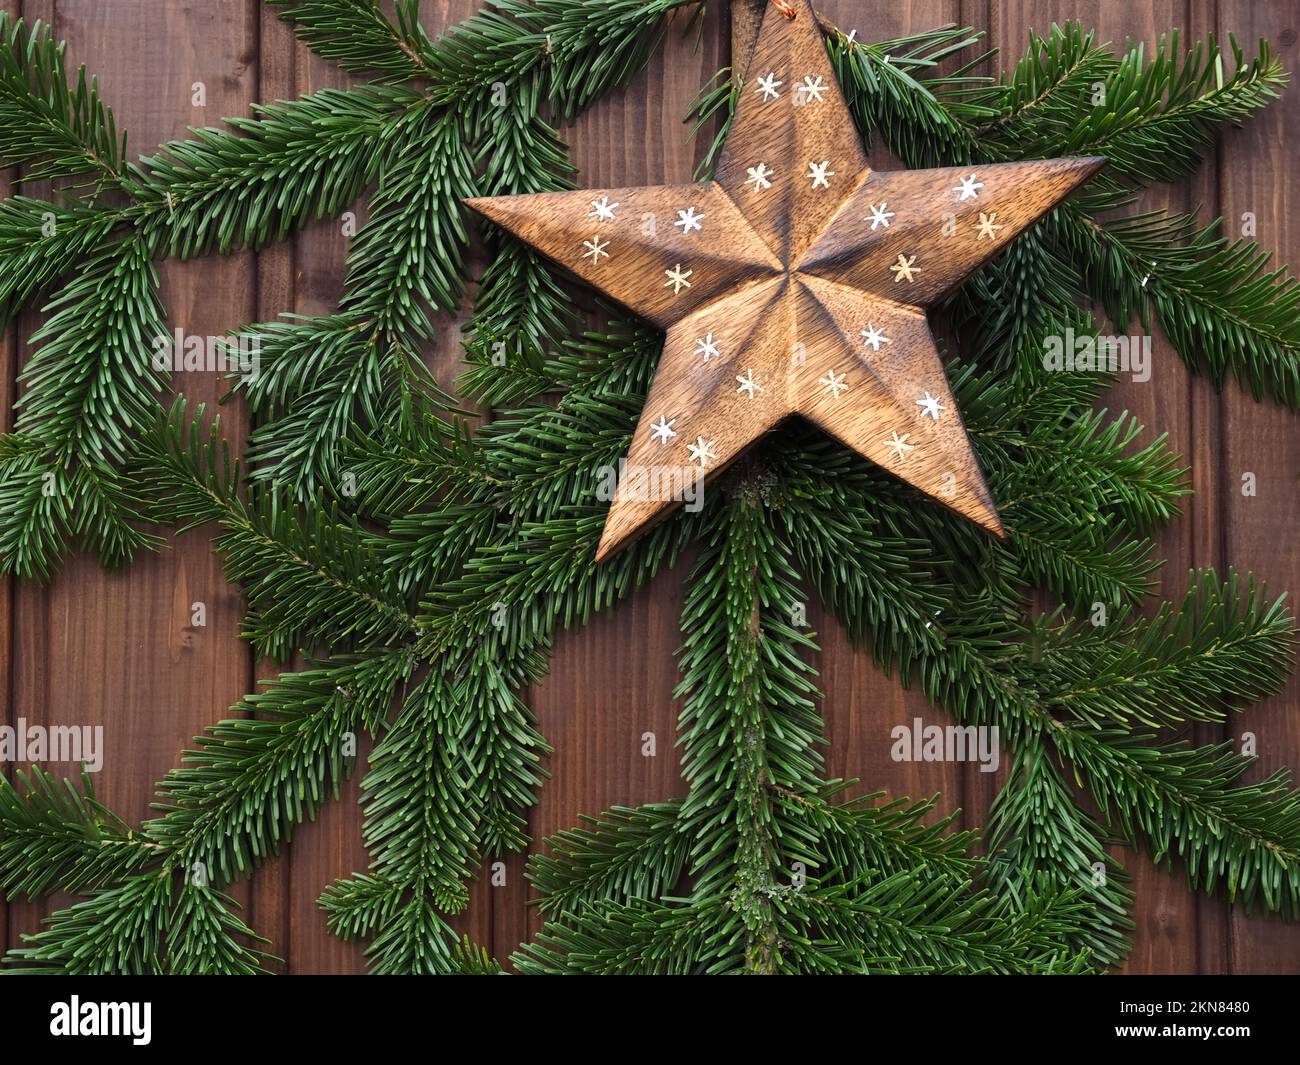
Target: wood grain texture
x=119 y=650
x=8 y=393
x=1167 y=934
x=611 y=682
x=862 y=703
x=1258 y=180
x=116 y=649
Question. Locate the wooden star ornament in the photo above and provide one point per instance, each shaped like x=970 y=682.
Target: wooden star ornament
x=796 y=282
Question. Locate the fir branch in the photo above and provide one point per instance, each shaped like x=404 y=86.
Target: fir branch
x=239 y=794
x=863 y=842
x=748 y=724
x=50 y=127
x=115 y=931
x=1082 y=560
x=1157 y=117
x=1040 y=99
x=40 y=243
x=521 y=311
x=1219 y=303
x=626 y=854
x=632 y=939
x=406 y=469
x=416 y=941
x=149 y=925
x=253 y=185
x=91 y=384
x=543 y=577
x=416 y=213
x=54 y=838
x=471 y=960
x=1095 y=455
x=407 y=256
x=907 y=925
x=91 y=388
x=715 y=103
x=586 y=50
x=1038 y=836
x=1222 y=642
x=411 y=937
x=358 y=36
x=894 y=92
x=498 y=741
x=355 y=907
x=421 y=813
x=206 y=938
x=309 y=576
x=1242 y=841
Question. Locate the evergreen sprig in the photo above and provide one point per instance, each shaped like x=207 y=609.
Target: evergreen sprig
x=425 y=566
x=53 y=128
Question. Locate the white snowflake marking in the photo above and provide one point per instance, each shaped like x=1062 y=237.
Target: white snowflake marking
x=769 y=87
x=707 y=346
x=987 y=226
x=872 y=337
x=930 y=406
x=835 y=383
x=595 y=249
x=904 y=269
x=677 y=279
x=899 y=444
x=810 y=89
x=879 y=216
x=602 y=210
x=702 y=451
x=748 y=385
x=969 y=188
x=819 y=175
x=688 y=220
x=662 y=430
x=759 y=177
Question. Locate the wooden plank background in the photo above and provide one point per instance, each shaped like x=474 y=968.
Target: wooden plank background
x=119 y=650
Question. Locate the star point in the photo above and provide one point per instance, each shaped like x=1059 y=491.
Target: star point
x=899 y=445
x=748 y=385
x=969 y=188
x=879 y=216
x=707 y=346
x=987 y=226
x=835 y=383
x=872 y=337
x=811 y=88
x=820 y=175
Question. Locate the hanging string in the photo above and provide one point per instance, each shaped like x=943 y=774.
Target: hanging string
x=786 y=9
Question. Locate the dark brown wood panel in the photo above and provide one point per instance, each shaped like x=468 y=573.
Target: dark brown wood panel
x=1258 y=177
x=1166 y=937
x=612 y=682
x=8 y=390
x=862 y=703
x=118 y=649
